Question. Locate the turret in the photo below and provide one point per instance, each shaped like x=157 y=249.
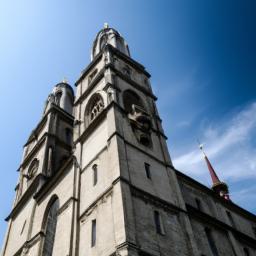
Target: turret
x=109 y=36
x=62 y=95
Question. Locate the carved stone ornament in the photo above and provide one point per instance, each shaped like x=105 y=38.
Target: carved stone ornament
x=141 y=124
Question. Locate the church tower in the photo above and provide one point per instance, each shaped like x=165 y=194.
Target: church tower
x=96 y=177
x=130 y=202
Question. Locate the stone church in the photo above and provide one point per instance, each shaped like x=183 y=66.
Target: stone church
x=96 y=177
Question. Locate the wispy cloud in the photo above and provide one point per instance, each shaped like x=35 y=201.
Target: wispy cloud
x=229 y=146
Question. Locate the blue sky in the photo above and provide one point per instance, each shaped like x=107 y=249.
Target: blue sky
x=201 y=55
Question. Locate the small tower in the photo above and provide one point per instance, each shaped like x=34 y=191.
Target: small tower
x=219 y=187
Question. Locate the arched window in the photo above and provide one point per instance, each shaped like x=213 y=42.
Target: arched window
x=57 y=98
x=95 y=174
x=131 y=98
x=103 y=41
x=50 y=227
x=32 y=171
x=95 y=106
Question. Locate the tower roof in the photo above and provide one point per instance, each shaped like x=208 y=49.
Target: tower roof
x=110 y=36
x=63 y=84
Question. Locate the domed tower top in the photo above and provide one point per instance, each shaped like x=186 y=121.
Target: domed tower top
x=109 y=36
x=63 y=96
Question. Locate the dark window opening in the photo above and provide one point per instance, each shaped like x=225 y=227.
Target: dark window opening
x=158 y=223
x=95 y=174
x=211 y=243
x=57 y=98
x=198 y=204
x=147 y=169
x=68 y=134
x=131 y=98
x=93 y=238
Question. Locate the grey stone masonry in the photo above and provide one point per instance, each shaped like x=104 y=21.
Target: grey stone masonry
x=96 y=177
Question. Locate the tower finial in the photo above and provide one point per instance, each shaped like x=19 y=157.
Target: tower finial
x=219 y=187
x=64 y=80
x=201 y=146
x=106 y=25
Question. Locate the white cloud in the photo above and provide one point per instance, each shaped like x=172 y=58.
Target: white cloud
x=229 y=145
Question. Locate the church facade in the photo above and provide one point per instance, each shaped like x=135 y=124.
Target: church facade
x=96 y=177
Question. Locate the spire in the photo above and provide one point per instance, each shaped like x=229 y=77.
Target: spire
x=219 y=187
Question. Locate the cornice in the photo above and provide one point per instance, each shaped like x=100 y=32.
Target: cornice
x=229 y=204
x=42 y=122
x=24 y=198
x=130 y=81
x=52 y=181
x=208 y=219
x=128 y=59
x=89 y=68
x=100 y=117
x=92 y=126
x=93 y=83
x=38 y=146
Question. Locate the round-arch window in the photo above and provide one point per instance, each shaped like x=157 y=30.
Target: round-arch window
x=95 y=107
x=103 y=41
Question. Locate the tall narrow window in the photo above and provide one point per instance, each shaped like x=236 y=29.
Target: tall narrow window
x=58 y=97
x=68 y=134
x=147 y=169
x=198 y=204
x=246 y=252
x=50 y=228
x=95 y=174
x=93 y=243
x=211 y=242
x=231 y=220
x=158 y=223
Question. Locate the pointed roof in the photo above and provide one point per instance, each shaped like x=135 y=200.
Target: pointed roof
x=215 y=178
x=218 y=186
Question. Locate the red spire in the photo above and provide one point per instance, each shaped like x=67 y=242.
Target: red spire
x=213 y=174
x=219 y=187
